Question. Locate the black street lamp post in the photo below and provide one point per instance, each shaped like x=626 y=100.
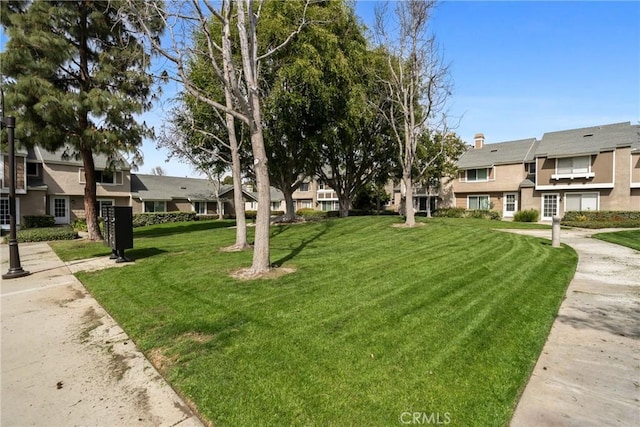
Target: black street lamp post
x=15 y=270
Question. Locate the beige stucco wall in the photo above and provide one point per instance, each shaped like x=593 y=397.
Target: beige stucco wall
x=32 y=203
x=601 y=166
x=502 y=178
x=65 y=179
x=617 y=199
x=635 y=199
x=529 y=199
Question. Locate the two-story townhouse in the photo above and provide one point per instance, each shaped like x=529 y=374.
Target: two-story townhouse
x=587 y=169
x=62 y=178
x=316 y=194
x=492 y=176
x=594 y=168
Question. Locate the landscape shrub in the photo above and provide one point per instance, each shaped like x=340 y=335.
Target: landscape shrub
x=250 y=214
x=80 y=224
x=207 y=217
x=44 y=234
x=529 y=215
x=450 y=213
x=602 y=219
x=143 y=219
x=39 y=221
x=311 y=214
x=484 y=214
x=277 y=213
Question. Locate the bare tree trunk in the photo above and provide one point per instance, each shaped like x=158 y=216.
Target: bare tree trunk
x=410 y=217
x=261 y=256
x=343 y=202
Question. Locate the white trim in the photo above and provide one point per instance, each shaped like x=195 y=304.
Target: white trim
x=558 y=176
x=597 y=193
x=574 y=186
x=549 y=218
x=505 y=213
x=60 y=220
x=488 y=169
x=488 y=196
x=7 y=226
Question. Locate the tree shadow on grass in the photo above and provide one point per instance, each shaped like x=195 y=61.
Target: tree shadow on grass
x=136 y=254
x=295 y=250
x=181 y=227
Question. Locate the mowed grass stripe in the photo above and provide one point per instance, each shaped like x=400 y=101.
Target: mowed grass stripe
x=446 y=317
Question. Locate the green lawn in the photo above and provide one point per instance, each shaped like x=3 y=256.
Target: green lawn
x=447 y=318
x=629 y=238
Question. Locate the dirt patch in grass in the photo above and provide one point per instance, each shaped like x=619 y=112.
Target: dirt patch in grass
x=274 y=273
x=161 y=361
x=198 y=337
x=404 y=225
x=235 y=248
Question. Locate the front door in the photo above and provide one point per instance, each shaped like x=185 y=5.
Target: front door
x=550 y=206
x=60 y=209
x=510 y=205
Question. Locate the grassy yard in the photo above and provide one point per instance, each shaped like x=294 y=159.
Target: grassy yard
x=629 y=238
x=447 y=319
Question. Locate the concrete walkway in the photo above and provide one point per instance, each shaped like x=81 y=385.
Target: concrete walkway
x=589 y=371
x=66 y=362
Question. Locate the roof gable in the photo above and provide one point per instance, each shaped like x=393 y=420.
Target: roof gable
x=156 y=187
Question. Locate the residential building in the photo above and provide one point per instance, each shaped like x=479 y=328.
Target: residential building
x=594 y=168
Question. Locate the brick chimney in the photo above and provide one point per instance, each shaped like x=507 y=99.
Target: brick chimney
x=478 y=141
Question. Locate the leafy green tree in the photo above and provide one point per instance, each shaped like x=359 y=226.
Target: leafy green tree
x=354 y=144
x=76 y=75
x=436 y=161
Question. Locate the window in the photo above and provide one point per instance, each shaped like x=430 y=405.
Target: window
x=478 y=202
x=33 y=169
x=329 y=206
x=103 y=203
x=155 y=206
x=322 y=186
x=475 y=175
x=530 y=168
x=306 y=204
x=581 y=201
x=573 y=167
x=304 y=187
x=104 y=177
x=200 y=208
x=4 y=211
x=275 y=206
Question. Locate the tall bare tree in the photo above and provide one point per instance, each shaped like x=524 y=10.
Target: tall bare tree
x=239 y=79
x=417 y=83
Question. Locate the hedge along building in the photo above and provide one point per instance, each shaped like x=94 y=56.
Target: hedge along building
x=594 y=168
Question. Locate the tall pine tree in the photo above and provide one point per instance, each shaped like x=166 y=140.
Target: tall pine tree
x=75 y=75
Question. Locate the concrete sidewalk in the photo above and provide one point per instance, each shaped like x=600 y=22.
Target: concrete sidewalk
x=589 y=371
x=64 y=359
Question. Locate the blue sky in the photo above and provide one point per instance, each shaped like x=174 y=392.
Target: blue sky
x=519 y=69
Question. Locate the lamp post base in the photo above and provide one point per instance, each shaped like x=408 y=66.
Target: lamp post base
x=15 y=269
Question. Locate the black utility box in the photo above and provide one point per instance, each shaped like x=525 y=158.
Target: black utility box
x=118 y=230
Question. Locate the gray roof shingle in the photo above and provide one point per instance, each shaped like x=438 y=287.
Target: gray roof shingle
x=589 y=140
x=68 y=157
x=498 y=154
x=155 y=187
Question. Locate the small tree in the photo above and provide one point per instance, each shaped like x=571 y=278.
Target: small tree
x=78 y=76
